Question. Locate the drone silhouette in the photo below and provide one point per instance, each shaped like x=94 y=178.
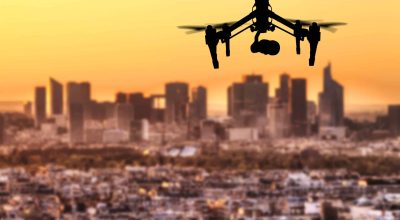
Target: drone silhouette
x=263 y=20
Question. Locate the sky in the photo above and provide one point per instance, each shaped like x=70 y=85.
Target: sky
x=132 y=45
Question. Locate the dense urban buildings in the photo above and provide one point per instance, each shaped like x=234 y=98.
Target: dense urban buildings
x=40 y=105
x=177 y=102
x=247 y=101
x=180 y=113
x=331 y=101
x=56 y=97
x=164 y=158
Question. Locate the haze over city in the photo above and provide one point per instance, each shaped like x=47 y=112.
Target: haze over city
x=135 y=46
x=110 y=110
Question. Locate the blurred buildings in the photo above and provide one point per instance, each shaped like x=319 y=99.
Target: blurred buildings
x=394 y=119
x=177 y=102
x=180 y=113
x=56 y=97
x=76 y=123
x=299 y=107
x=198 y=107
x=40 y=105
x=247 y=101
x=331 y=101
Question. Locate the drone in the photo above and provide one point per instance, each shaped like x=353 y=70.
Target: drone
x=263 y=19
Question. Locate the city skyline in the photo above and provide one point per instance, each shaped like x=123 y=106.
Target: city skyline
x=214 y=110
x=122 y=46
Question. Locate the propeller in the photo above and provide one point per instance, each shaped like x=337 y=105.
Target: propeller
x=329 y=26
x=198 y=28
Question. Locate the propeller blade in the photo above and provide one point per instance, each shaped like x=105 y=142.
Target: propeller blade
x=194 y=28
x=220 y=25
x=331 y=24
x=328 y=26
x=304 y=22
x=198 y=28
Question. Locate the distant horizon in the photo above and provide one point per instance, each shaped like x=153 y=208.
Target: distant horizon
x=17 y=105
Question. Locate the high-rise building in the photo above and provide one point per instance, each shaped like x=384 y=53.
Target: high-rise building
x=40 y=105
x=299 y=107
x=331 y=104
x=247 y=101
x=283 y=92
x=124 y=116
x=198 y=109
x=142 y=106
x=177 y=101
x=121 y=97
x=100 y=111
x=279 y=119
x=28 y=108
x=394 y=119
x=157 y=108
x=139 y=130
x=2 y=129
x=78 y=93
x=311 y=112
x=76 y=123
x=56 y=96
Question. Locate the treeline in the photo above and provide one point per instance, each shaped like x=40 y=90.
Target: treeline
x=222 y=160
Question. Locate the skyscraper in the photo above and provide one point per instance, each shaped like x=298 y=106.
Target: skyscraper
x=299 y=107
x=124 y=116
x=157 y=108
x=199 y=103
x=76 y=123
x=56 y=96
x=2 y=129
x=142 y=106
x=28 y=108
x=331 y=104
x=247 y=101
x=78 y=93
x=177 y=101
x=394 y=119
x=279 y=119
x=121 y=97
x=40 y=105
x=283 y=93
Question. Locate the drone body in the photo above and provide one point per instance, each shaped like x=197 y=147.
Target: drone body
x=263 y=20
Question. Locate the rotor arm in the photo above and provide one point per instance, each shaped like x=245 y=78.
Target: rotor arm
x=242 y=21
x=226 y=34
x=281 y=20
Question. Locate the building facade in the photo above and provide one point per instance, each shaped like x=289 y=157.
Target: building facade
x=198 y=108
x=299 y=107
x=331 y=101
x=177 y=102
x=247 y=101
x=40 y=105
x=56 y=96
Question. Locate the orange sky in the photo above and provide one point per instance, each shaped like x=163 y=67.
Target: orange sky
x=132 y=45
